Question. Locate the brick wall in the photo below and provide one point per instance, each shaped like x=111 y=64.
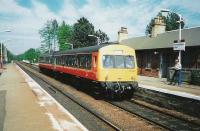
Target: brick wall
x=190 y=59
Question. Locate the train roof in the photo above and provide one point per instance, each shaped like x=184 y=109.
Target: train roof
x=89 y=49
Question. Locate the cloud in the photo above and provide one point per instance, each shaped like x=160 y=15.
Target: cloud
x=107 y=16
x=25 y=25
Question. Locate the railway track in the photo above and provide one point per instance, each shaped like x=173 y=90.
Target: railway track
x=58 y=95
x=156 y=117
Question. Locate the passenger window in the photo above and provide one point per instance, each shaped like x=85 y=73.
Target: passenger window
x=84 y=61
x=88 y=61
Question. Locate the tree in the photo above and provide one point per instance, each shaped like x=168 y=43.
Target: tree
x=82 y=29
x=43 y=48
x=31 y=55
x=64 y=36
x=45 y=35
x=170 y=20
x=149 y=27
x=11 y=56
x=48 y=34
x=54 y=30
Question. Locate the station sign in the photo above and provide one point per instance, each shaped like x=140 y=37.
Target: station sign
x=179 y=46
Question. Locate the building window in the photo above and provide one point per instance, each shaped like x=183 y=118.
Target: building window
x=148 y=60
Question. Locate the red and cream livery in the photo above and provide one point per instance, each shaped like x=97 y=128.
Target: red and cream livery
x=111 y=66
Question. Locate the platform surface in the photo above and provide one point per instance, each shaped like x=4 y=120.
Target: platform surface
x=24 y=106
x=161 y=84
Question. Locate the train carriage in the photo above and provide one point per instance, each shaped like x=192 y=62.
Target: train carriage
x=112 y=68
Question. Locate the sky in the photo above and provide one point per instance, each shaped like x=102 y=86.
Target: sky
x=25 y=17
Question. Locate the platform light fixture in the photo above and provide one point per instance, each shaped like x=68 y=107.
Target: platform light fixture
x=98 y=39
x=72 y=47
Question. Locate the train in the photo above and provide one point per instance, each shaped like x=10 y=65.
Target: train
x=111 y=69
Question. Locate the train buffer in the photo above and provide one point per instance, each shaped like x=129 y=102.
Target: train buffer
x=25 y=106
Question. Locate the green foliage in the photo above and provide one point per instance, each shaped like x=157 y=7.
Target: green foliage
x=43 y=48
x=54 y=29
x=45 y=34
x=31 y=55
x=11 y=56
x=48 y=34
x=149 y=27
x=170 y=20
x=82 y=29
x=64 y=36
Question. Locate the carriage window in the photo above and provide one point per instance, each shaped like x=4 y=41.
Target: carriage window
x=70 y=60
x=129 y=61
x=73 y=61
x=67 y=60
x=88 y=61
x=108 y=61
x=84 y=61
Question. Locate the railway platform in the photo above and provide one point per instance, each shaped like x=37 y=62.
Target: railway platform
x=161 y=85
x=24 y=105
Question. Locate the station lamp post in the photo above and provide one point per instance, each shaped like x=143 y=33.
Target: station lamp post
x=2 y=51
x=2 y=47
x=98 y=39
x=179 y=38
x=72 y=47
x=180 y=46
x=5 y=31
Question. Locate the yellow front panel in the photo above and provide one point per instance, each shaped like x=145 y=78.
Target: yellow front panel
x=116 y=74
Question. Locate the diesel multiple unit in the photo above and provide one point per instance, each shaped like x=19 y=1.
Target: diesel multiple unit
x=112 y=69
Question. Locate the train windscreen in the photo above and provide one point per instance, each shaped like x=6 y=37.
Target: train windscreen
x=118 y=61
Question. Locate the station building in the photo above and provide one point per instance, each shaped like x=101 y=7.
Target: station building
x=155 y=53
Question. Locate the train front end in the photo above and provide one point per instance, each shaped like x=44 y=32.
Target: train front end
x=117 y=70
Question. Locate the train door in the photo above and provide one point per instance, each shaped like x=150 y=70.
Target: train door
x=54 y=62
x=94 y=62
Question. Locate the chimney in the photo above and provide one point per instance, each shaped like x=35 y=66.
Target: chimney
x=158 y=27
x=122 y=34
